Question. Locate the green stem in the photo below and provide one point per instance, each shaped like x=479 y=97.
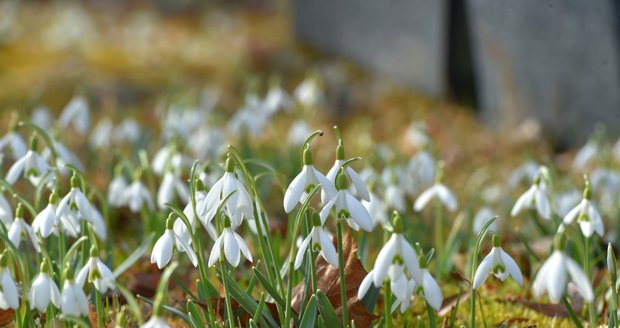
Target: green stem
x=473 y=306
x=387 y=310
x=431 y=315
x=571 y=313
x=343 y=287
x=100 y=313
x=586 y=265
x=229 y=311
x=438 y=227
x=614 y=305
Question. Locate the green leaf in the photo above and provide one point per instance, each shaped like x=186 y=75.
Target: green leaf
x=248 y=303
x=135 y=256
x=327 y=310
x=309 y=317
x=80 y=322
x=167 y=308
x=268 y=287
x=131 y=301
x=194 y=314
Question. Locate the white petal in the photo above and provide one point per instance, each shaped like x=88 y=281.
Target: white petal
x=301 y=252
x=184 y=247
x=512 y=267
x=327 y=208
x=243 y=247
x=447 y=197
x=294 y=191
x=162 y=251
x=580 y=279
x=327 y=248
x=556 y=278
x=231 y=248
x=16 y=170
x=358 y=212
x=384 y=260
x=432 y=292
x=483 y=270
x=424 y=198
x=215 y=251
x=360 y=186
x=165 y=194
x=572 y=214
x=410 y=256
x=365 y=285
x=524 y=201
x=327 y=186
x=542 y=204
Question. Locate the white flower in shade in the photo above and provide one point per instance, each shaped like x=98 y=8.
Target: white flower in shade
x=15 y=142
x=9 y=295
x=525 y=172
x=308 y=93
x=481 y=218
x=44 y=291
x=238 y=202
x=42 y=117
x=277 y=99
x=536 y=198
x=554 y=274
x=170 y=185
x=426 y=286
x=76 y=113
x=500 y=264
x=96 y=272
x=6 y=212
x=162 y=157
x=305 y=182
x=232 y=244
x=155 y=322
x=298 y=132
x=399 y=177
x=357 y=187
x=46 y=222
x=403 y=290
x=73 y=300
x=167 y=243
x=181 y=230
x=586 y=154
x=137 y=196
x=395 y=256
x=127 y=131
x=439 y=191
x=587 y=215
x=19 y=230
x=394 y=197
x=65 y=156
x=319 y=241
x=32 y=166
x=347 y=207
x=376 y=209
x=116 y=191
x=416 y=135
x=102 y=134
x=422 y=168
x=75 y=207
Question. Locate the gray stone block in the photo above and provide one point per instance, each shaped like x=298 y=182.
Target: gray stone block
x=557 y=61
x=404 y=39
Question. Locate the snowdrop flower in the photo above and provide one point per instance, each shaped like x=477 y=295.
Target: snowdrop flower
x=128 y=131
x=586 y=154
x=481 y=218
x=305 y=182
x=376 y=209
x=208 y=143
x=417 y=136
x=422 y=168
x=587 y=215
x=6 y=212
x=403 y=290
x=439 y=191
x=32 y=166
x=41 y=117
x=15 y=142
x=535 y=198
x=75 y=207
x=102 y=134
x=319 y=241
x=46 y=222
x=96 y=272
x=239 y=203
x=155 y=322
x=357 y=187
x=44 y=290
x=117 y=190
x=65 y=156
x=554 y=274
x=73 y=300
x=526 y=171
x=76 y=113
x=170 y=184
x=9 y=295
x=394 y=197
x=181 y=230
x=565 y=201
x=167 y=243
x=19 y=230
x=500 y=264
x=395 y=256
x=231 y=243
x=277 y=99
x=298 y=132
x=347 y=207
x=308 y=93
x=426 y=286
x=137 y=195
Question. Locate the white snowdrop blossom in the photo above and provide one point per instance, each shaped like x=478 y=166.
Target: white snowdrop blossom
x=377 y=210
x=232 y=244
x=277 y=99
x=75 y=207
x=426 y=286
x=308 y=93
x=6 y=212
x=20 y=230
x=500 y=264
x=587 y=215
x=525 y=172
x=416 y=135
x=422 y=168
x=566 y=200
x=137 y=195
x=586 y=154
x=76 y=113
x=319 y=241
x=31 y=166
x=167 y=243
x=15 y=143
x=116 y=191
x=102 y=134
x=44 y=290
x=298 y=132
x=481 y=218
x=171 y=184
x=554 y=274
x=9 y=295
x=535 y=197
x=308 y=179
x=357 y=187
x=73 y=299
x=439 y=191
x=46 y=222
x=64 y=156
x=96 y=272
x=403 y=290
x=181 y=230
x=155 y=322
x=394 y=197
x=238 y=205
x=347 y=207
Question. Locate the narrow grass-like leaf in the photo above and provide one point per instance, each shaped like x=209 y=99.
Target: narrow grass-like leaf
x=309 y=317
x=194 y=314
x=326 y=309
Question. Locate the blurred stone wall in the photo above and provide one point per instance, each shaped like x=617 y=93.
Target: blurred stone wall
x=557 y=61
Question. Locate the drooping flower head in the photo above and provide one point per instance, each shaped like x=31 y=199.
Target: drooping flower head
x=31 y=166
x=44 y=290
x=75 y=207
x=232 y=244
x=587 y=214
x=500 y=264
x=347 y=207
x=437 y=190
x=426 y=286
x=20 y=230
x=73 y=298
x=536 y=197
x=9 y=295
x=168 y=243
x=96 y=272
x=319 y=241
x=47 y=222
